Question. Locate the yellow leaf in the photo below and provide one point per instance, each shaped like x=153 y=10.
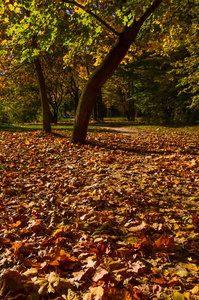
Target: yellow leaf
x=177 y=295
x=95 y=293
x=15 y=225
x=187 y=295
x=195 y=290
x=58 y=232
x=42 y=283
x=11 y=7
x=191 y=267
x=50 y=289
x=17 y=10
x=31 y=271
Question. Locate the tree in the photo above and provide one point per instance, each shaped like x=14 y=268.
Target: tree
x=105 y=70
x=17 y=28
x=163 y=66
x=171 y=61
x=19 y=92
x=25 y=27
x=44 y=97
x=186 y=68
x=22 y=24
x=119 y=91
x=56 y=79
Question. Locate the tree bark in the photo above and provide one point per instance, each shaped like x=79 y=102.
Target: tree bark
x=103 y=72
x=132 y=101
x=100 y=107
x=44 y=98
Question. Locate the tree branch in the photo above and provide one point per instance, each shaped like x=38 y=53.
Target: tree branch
x=148 y=12
x=93 y=15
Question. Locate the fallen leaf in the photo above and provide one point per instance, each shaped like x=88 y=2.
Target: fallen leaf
x=164 y=244
x=177 y=295
x=195 y=290
x=99 y=274
x=160 y=281
x=191 y=267
x=95 y=293
x=30 y=272
x=142 y=226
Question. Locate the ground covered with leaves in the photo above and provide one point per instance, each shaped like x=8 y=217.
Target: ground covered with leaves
x=116 y=218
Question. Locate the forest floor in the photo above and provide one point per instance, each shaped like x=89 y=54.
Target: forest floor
x=116 y=218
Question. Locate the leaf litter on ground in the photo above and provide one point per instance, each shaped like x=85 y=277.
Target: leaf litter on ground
x=116 y=218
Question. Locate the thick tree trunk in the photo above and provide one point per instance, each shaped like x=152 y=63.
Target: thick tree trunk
x=94 y=113
x=96 y=81
x=103 y=72
x=132 y=101
x=44 y=98
x=100 y=107
x=76 y=99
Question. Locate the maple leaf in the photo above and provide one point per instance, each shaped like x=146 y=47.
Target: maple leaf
x=164 y=244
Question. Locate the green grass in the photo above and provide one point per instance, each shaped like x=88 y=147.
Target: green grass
x=34 y=127
x=180 y=129
x=95 y=126
x=10 y=127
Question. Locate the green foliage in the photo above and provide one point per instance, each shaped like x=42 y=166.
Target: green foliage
x=19 y=95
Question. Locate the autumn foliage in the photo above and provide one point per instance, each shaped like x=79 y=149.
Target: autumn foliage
x=116 y=218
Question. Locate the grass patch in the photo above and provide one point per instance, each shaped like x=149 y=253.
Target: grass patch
x=101 y=126
x=34 y=126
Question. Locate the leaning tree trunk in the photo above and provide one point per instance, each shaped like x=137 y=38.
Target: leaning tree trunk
x=103 y=72
x=100 y=107
x=44 y=97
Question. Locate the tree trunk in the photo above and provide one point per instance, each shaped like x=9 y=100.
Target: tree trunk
x=96 y=81
x=132 y=101
x=103 y=72
x=95 y=112
x=44 y=98
x=76 y=99
x=100 y=107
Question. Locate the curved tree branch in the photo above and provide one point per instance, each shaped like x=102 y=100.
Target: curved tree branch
x=93 y=15
x=148 y=12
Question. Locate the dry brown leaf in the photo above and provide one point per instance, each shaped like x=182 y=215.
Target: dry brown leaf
x=140 y=227
x=99 y=274
x=164 y=244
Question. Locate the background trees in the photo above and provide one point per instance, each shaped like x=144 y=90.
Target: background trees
x=19 y=100
x=158 y=63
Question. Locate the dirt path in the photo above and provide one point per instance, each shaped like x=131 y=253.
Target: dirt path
x=118 y=129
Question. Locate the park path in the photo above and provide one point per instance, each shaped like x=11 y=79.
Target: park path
x=118 y=129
